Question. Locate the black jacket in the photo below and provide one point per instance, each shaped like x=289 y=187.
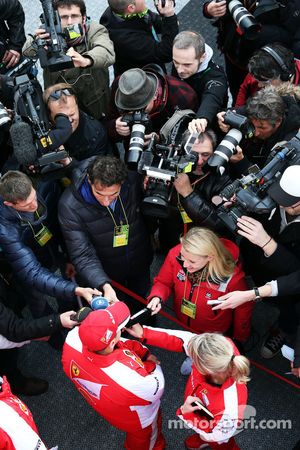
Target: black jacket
x=12 y=21
x=211 y=88
x=199 y=205
x=134 y=43
x=89 y=139
x=88 y=231
x=16 y=329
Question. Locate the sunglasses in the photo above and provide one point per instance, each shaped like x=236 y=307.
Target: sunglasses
x=56 y=95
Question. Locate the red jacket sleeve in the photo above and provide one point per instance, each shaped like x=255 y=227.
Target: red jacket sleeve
x=163 y=282
x=242 y=314
x=247 y=89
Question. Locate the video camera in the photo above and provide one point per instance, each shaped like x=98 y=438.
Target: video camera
x=251 y=191
x=138 y=121
x=51 y=52
x=34 y=142
x=244 y=20
x=161 y=163
x=241 y=127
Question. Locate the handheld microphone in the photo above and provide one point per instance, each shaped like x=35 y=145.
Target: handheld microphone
x=140 y=316
x=99 y=302
x=81 y=314
x=21 y=137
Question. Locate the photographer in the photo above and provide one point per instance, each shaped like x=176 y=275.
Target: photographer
x=278 y=24
x=91 y=52
x=278 y=253
x=274 y=118
x=193 y=63
x=133 y=28
x=89 y=137
x=12 y=33
x=147 y=91
x=272 y=64
x=191 y=203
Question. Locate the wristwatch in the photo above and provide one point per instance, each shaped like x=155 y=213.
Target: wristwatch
x=257 y=297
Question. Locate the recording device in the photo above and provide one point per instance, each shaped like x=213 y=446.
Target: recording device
x=251 y=191
x=161 y=164
x=139 y=317
x=99 y=302
x=241 y=127
x=81 y=314
x=203 y=411
x=51 y=52
x=246 y=22
x=138 y=121
x=34 y=142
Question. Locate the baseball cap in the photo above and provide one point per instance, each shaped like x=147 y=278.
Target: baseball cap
x=286 y=192
x=101 y=326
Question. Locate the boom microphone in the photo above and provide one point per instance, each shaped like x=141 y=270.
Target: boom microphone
x=22 y=140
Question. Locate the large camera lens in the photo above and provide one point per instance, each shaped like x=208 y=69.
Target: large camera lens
x=4 y=117
x=156 y=201
x=244 y=20
x=136 y=144
x=225 y=150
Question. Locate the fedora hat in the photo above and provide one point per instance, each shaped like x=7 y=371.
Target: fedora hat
x=136 y=89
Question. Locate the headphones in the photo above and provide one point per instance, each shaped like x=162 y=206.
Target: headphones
x=286 y=74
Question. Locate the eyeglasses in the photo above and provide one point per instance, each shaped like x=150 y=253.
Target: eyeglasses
x=56 y=95
x=71 y=16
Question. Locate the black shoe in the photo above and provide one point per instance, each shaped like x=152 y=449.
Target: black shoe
x=29 y=386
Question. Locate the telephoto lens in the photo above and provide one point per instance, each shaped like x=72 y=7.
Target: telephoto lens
x=99 y=302
x=245 y=21
x=225 y=150
x=136 y=144
x=4 y=116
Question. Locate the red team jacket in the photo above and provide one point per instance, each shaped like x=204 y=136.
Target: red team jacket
x=227 y=402
x=172 y=279
x=121 y=387
x=17 y=428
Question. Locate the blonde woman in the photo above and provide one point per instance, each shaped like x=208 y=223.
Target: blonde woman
x=217 y=381
x=196 y=272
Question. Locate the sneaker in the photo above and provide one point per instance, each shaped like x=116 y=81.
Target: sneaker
x=272 y=344
x=186 y=366
x=194 y=442
x=29 y=386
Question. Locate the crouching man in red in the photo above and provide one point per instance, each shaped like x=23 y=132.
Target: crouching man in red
x=217 y=381
x=119 y=378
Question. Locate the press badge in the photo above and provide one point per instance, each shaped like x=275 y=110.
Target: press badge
x=188 y=308
x=43 y=236
x=121 y=234
x=184 y=216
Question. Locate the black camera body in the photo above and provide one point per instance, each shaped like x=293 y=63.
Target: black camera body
x=138 y=121
x=241 y=126
x=161 y=164
x=239 y=122
x=251 y=191
x=53 y=57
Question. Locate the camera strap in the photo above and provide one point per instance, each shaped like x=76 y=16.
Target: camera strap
x=175 y=119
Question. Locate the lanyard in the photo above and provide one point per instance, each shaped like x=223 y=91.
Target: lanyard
x=112 y=216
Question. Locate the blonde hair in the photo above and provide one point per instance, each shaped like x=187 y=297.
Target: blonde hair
x=204 y=242
x=212 y=352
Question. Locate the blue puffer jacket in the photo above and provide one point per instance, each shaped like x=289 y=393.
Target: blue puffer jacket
x=24 y=254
